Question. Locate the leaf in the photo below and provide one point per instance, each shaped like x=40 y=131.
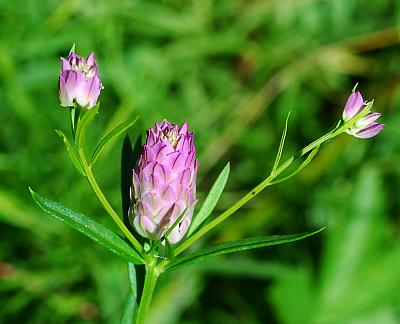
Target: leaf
x=281 y=145
x=128 y=315
x=71 y=152
x=211 y=200
x=234 y=246
x=309 y=158
x=84 y=123
x=132 y=278
x=120 y=129
x=90 y=228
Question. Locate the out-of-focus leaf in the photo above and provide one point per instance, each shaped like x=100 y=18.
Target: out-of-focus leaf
x=120 y=129
x=211 y=200
x=128 y=315
x=132 y=278
x=235 y=246
x=71 y=152
x=90 y=228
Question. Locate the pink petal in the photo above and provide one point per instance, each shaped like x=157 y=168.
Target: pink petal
x=370 y=131
x=367 y=120
x=65 y=66
x=353 y=105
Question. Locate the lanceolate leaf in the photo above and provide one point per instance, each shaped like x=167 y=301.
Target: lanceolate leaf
x=84 y=123
x=71 y=152
x=211 y=200
x=90 y=228
x=132 y=278
x=128 y=315
x=281 y=145
x=234 y=246
x=309 y=158
x=120 y=129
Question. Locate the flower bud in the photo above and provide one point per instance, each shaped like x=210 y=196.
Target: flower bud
x=79 y=81
x=366 y=126
x=164 y=183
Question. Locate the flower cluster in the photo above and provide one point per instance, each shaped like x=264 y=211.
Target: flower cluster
x=79 y=81
x=366 y=126
x=164 y=183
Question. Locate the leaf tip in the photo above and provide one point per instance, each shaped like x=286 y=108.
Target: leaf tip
x=33 y=194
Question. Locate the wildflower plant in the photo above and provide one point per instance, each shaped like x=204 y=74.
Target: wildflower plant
x=163 y=186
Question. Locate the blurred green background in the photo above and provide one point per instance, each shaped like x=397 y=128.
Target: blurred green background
x=232 y=69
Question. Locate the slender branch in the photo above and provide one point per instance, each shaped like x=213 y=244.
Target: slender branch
x=269 y=180
x=233 y=208
x=105 y=203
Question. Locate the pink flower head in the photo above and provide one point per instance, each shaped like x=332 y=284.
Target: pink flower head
x=79 y=81
x=365 y=127
x=164 y=183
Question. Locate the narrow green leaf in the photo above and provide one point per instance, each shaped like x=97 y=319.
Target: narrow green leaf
x=120 y=129
x=281 y=145
x=128 y=314
x=309 y=158
x=90 y=228
x=71 y=152
x=132 y=278
x=234 y=246
x=211 y=200
x=84 y=123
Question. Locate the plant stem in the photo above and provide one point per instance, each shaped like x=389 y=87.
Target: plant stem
x=150 y=281
x=265 y=183
x=105 y=203
x=269 y=180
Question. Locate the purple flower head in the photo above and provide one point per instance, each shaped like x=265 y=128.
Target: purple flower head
x=79 y=81
x=164 y=183
x=366 y=126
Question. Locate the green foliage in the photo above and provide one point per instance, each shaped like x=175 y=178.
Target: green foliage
x=86 y=118
x=235 y=246
x=117 y=131
x=71 y=152
x=128 y=316
x=88 y=227
x=211 y=200
x=233 y=70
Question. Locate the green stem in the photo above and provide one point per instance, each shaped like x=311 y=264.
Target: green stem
x=267 y=182
x=105 y=203
x=150 y=281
